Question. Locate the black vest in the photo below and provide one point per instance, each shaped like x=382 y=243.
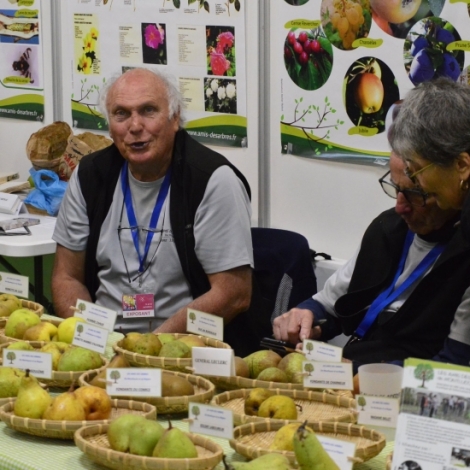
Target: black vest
x=192 y=166
x=420 y=327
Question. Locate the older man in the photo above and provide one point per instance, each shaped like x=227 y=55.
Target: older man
x=404 y=293
x=156 y=212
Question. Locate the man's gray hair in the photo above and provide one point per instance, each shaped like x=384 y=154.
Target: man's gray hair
x=433 y=122
x=175 y=100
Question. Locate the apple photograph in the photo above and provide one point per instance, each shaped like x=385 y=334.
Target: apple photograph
x=220 y=45
x=344 y=21
x=425 y=52
x=154 y=44
x=396 y=17
x=370 y=89
x=308 y=57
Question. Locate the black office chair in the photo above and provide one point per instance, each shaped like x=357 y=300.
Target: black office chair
x=283 y=277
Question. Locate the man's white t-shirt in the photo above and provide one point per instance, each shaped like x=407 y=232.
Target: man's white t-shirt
x=221 y=230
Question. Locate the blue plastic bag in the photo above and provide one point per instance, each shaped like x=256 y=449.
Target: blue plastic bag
x=48 y=192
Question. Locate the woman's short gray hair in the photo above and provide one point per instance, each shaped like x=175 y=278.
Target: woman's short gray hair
x=433 y=122
x=175 y=100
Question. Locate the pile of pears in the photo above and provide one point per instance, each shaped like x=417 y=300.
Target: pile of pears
x=269 y=366
x=65 y=357
x=161 y=345
x=265 y=403
x=24 y=324
x=137 y=435
x=85 y=403
x=172 y=385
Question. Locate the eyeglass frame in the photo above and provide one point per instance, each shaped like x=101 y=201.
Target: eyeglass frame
x=412 y=176
x=403 y=191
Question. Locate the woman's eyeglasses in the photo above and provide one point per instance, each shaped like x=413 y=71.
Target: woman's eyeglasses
x=412 y=176
x=415 y=197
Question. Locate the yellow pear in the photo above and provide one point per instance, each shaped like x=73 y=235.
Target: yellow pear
x=241 y=367
x=260 y=360
x=8 y=304
x=284 y=437
x=19 y=321
x=95 y=401
x=21 y=346
x=254 y=399
x=66 y=329
x=292 y=366
x=278 y=407
x=43 y=331
x=65 y=406
x=32 y=400
x=10 y=379
x=54 y=351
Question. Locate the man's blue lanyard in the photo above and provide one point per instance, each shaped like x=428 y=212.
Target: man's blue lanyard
x=162 y=194
x=389 y=294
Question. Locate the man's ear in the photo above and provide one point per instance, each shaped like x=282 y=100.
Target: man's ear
x=463 y=166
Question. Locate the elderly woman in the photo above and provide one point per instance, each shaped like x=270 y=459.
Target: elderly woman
x=432 y=134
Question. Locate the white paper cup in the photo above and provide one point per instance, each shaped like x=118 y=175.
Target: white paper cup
x=380 y=380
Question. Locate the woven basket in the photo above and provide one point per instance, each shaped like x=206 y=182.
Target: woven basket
x=93 y=442
x=37 y=308
x=316 y=406
x=169 y=363
x=59 y=379
x=237 y=383
x=204 y=391
x=9 y=339
x=66 y=429
x=254 y=439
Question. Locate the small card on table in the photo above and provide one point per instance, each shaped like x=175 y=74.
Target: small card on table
x=205 y=324
x=336 y=375
x=136 y=382
x=95 y=314
x=213 y=361
x=14 y=284
x=211 y=420
x=90 y=337
x=38 y=363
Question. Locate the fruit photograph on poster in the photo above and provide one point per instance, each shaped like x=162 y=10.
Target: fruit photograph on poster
x=370 y=90
x=396 y=17
x=308 y=57
x=426 y=55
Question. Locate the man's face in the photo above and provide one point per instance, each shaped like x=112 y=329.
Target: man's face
x=139 y=123
x=420 y=220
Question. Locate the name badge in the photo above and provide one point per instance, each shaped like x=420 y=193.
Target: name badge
x=138 y=305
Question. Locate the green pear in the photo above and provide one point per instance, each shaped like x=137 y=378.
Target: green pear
x=78 y=359
x=292 y=366
x=278 y=407
x=66 y=329
x=176 y=386
x=272 y=461
x=117 y=362
x=273 y=374
x=19 y=321
x=32 y=400
x=20 y=346
x=175 y=444
x=145 y=436
x=8 y=304
x=120 y=431
x=175 y=349
x=10 y=379
x=193 y=341
x=147 y=344
x=309 y=452
x=165 y=337
x=43 y=331
x=54 y=351
x=255 y=397
x=260 y=360
x=134 y=434
x=129 y=340
x=65 y=406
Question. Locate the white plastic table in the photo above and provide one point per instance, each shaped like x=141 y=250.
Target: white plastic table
x=36 y=245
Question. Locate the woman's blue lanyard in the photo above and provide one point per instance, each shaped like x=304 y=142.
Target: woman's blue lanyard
x=389 y=294
x=162 y=194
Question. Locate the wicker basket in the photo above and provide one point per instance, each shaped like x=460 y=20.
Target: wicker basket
x=170 y=363
x=237 y=383
x=93 y=442
x=66 y=429
x=254 y=439
x=59 y=379
x=9 y=339
x=204 y=391
x=37 y=308
x=315 y=406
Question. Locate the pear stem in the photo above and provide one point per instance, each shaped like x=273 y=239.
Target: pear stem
x=27 y=373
